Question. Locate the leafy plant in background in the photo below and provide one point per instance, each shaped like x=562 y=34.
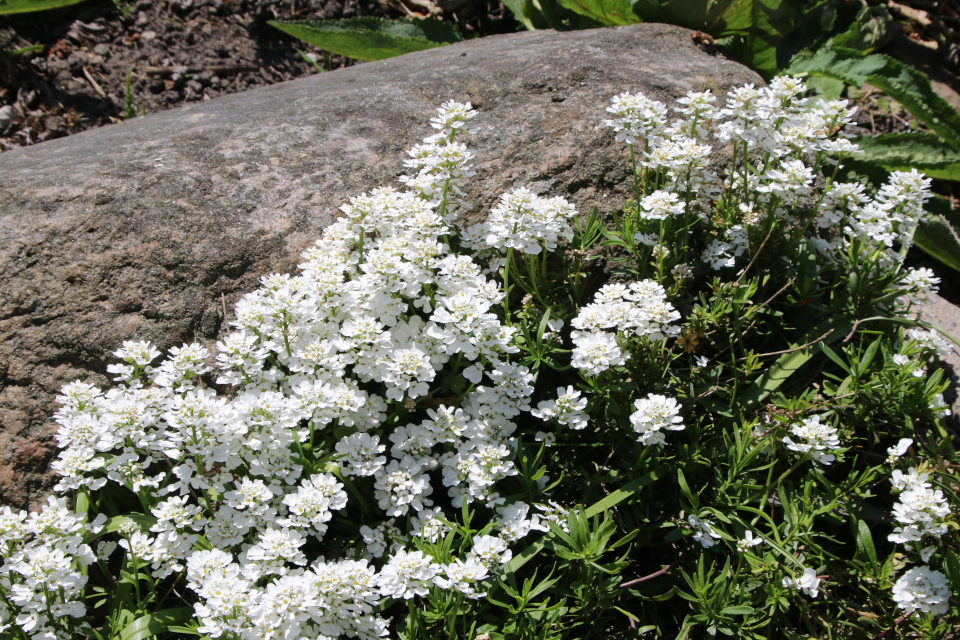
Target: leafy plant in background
x=935 y=152
x=444 y=432
x=368 y=38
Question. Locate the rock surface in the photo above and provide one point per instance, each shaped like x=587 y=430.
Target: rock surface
x=153 y=228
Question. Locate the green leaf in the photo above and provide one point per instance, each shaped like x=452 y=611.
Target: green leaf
x=873 y=29
x=34 y=48
x=754 y=26
x=830 y=353
x=368 y=38
x=865 y=546
x=839 y=23
x=28 y=6
x=628 y=490
x=606 y=12
x=517 y=9
x=951 y=565
x=925 y=152
x=143 y=522
x=737 y=611
x=156 y=623
x=938 y=236
x=789 y=363
x=904 y=84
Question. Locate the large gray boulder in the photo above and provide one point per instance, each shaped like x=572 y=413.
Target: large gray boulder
x=152 y=228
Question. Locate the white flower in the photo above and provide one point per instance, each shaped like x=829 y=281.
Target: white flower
x=939 y=406
x=567 y=409
x=492 y=551
x=526 y=222
x=656 y=412
x=923 y=281
x=462 y=576
x=597 y=352
x=809 y=583
x=660 y=205
x=897 y=450
x=748 y=542
x=820 y=438
x=923 y=589
x=408 y=574
x=703 y=531
x=635 y=117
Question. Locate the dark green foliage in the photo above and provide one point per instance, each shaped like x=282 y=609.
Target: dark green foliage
x=367 y=38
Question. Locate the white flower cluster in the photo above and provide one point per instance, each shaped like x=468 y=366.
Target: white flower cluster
x=923 y=589
x=42 y=576
x=639 y=309
x=524 y=222
x=654 y=413
x=808 y=582
x=791 y=133
x=920 y=510
x=359 y=342
x=895 y=452
x=920 y=514
x=703 y=531
x=441 y=161
x=929 y=342
x=566 y=410
x=923 y=281
x=821 y=438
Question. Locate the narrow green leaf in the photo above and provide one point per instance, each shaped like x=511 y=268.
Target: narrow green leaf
x=34 y=48
x=313 y=63
x=628 y=490
x=864 y=365
x=789 y=363
x=951 y=565
x=155 y=623
x=28 y=6
x=830 y=353
x=685 y=490
x=368 y=38
x=865 y=546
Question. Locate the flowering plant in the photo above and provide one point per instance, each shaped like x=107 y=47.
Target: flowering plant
x=688 y=414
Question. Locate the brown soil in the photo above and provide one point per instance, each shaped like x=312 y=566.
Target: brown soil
x=78 y=80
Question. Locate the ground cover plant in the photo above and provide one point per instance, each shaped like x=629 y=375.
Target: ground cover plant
x=712 y=411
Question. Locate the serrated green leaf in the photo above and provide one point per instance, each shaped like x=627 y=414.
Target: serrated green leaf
x=925 y=152
x=904 y=84
x=368 y=38
x=937 y=237
x=28 y=6
x=155 y=623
